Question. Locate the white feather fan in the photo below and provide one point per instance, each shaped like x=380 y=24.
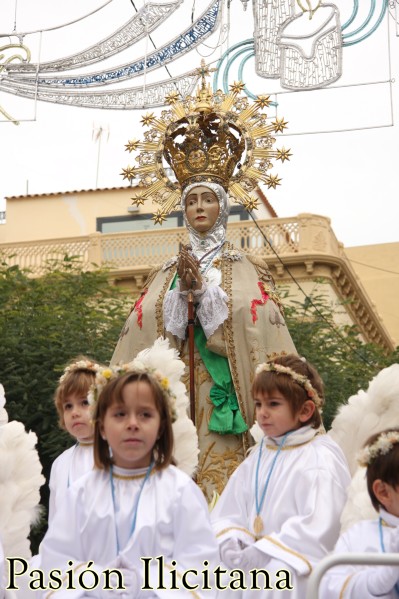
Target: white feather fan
x=165 y=359
x=20 y=481
x=256 y=432
x=358 y=505
x=366 y=413
x=3 y=413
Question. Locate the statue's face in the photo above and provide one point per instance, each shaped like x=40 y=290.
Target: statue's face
x=202 y=208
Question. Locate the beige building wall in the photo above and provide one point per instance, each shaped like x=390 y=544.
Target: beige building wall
x=74 y=214
x=377 y=266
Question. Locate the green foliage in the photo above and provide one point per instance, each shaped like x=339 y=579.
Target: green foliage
x=44 y=323
x=345 y=363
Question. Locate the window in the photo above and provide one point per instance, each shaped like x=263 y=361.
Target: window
x=144 y=222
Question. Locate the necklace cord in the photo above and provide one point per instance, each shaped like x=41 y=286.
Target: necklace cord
x=136 y=503
x=382 y=545
x=258 y=503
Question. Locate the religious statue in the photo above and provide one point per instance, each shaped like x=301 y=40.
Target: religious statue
x=217 y=146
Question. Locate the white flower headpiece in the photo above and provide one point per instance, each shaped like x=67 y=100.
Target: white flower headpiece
x=381 y=446
x=301 y=379
x=106 y=374
x=79 y=365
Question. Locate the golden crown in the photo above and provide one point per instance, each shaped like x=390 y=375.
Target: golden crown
x=210 y=137
x=209 y=150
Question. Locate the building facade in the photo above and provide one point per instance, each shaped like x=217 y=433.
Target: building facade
x=104 y=229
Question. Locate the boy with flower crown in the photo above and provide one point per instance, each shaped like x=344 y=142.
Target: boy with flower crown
x=380 y=456
x=74 y=416
x=280 y=511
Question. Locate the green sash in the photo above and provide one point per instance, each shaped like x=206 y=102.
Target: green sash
x=226 y=417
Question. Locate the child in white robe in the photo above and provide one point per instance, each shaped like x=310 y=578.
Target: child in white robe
x=135 y=504
x=74 y=416
x=381 y=458
x=280 y=510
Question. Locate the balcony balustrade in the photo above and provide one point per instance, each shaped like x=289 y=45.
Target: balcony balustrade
x=144 y=249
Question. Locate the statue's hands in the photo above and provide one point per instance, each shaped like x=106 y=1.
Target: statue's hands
x=188 y=271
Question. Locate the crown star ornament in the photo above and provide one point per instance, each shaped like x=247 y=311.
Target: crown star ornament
x=159 y=217
x=132 y=145
x=273 y=181
x=283 y=154
x=128 y=173
x=251 y=204
x=215 y=137
x=137 y=201
x=280 y=125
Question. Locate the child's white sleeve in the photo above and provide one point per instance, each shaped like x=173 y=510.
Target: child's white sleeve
x=348 y=581
x=65 y=548
x=195 y=547
x=53 y=491
x=317 y=499
x=230 y=515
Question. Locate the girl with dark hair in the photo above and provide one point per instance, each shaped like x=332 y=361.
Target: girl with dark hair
x=136 y=513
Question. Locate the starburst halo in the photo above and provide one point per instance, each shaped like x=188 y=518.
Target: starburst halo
x=210 y=137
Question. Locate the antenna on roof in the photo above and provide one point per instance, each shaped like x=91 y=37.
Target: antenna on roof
x=97 y=134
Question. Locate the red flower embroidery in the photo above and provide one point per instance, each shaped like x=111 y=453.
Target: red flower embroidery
x=139 y=309
x=258 y=302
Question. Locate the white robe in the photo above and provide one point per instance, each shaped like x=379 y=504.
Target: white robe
x=66 y=469
x=172 y=521
x=301 y=509
x=348 y=581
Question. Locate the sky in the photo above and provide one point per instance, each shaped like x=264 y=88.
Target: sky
x=344 y=138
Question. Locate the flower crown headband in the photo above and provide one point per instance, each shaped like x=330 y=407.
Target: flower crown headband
x=301 y=379
x=382 y=446
x=79 y=365
x=106 y=374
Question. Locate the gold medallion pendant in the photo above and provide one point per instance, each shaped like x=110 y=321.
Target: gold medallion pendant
x=258 y=525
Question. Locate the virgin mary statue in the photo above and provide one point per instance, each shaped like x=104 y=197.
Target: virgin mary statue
x=219 y=147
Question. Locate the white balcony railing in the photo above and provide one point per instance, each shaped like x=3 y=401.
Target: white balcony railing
x=143 y=249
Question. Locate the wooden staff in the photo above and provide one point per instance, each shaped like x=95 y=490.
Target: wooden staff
x=190 y=329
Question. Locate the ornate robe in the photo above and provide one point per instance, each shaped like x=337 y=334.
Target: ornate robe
x=253 y=330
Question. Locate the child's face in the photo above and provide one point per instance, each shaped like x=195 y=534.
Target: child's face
x=77 y=418
x=132 y=428
x=274 y=414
